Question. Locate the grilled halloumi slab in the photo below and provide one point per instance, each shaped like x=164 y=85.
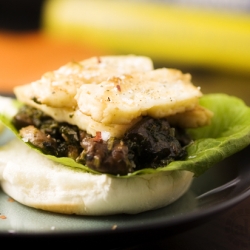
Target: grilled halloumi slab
x=157 y=93
x=115 y=96
x=58 y=88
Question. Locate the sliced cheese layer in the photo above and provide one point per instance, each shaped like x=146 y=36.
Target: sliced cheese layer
x=157 y=93
x=116 y=95
x=58 y=88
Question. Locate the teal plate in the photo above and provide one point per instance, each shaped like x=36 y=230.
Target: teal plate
x=220 y=188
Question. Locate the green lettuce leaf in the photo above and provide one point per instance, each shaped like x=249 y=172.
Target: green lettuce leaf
x=228 y=133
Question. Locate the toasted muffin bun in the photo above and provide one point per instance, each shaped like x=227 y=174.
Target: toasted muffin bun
x=35 y=181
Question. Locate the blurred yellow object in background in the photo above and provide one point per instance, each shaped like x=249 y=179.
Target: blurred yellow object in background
x=168 y=33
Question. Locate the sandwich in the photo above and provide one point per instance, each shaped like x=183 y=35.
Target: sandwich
x=111 y=135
